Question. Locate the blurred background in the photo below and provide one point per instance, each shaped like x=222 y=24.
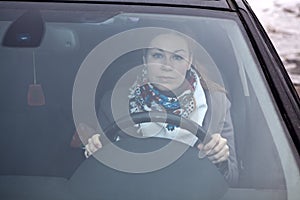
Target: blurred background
x=281 y=19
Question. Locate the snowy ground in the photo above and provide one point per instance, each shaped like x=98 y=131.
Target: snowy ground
x=281 y=18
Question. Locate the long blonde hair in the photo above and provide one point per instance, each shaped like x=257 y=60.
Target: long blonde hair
x=206 y=82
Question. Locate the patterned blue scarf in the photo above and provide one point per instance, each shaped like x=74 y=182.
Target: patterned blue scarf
x=145 y=97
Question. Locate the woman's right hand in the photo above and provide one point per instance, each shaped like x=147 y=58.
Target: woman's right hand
x=93 y=145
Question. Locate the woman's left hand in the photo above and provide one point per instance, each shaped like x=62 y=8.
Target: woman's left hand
x=216 y=149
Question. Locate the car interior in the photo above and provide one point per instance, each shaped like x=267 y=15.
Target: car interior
x=38 y=77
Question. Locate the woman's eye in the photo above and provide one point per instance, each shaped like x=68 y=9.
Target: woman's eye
x=177 y=57
x=157 y=55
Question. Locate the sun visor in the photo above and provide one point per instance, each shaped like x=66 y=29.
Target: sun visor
x=27 y=31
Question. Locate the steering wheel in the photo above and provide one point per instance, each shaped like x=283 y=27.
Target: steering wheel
x=187 y=178
x=155 y=116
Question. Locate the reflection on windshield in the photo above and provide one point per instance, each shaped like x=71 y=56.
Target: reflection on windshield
x=94 y=70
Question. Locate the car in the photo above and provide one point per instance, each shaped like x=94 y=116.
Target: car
x=66 y=67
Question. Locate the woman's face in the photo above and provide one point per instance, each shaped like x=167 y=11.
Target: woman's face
x=167 y=61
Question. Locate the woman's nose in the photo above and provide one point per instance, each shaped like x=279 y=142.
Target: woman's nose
x=167 y=65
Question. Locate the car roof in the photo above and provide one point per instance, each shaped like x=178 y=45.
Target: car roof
x=224 y=4
x=210 y=3
x=231 y=5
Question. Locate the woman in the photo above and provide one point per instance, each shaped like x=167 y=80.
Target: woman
x=170 y=83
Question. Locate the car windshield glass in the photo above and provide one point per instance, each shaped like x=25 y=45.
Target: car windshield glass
x=135 y=101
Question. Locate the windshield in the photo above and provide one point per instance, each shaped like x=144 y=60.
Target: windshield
x=177 y=104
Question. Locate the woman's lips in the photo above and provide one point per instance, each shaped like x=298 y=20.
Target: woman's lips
x=166 y=77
